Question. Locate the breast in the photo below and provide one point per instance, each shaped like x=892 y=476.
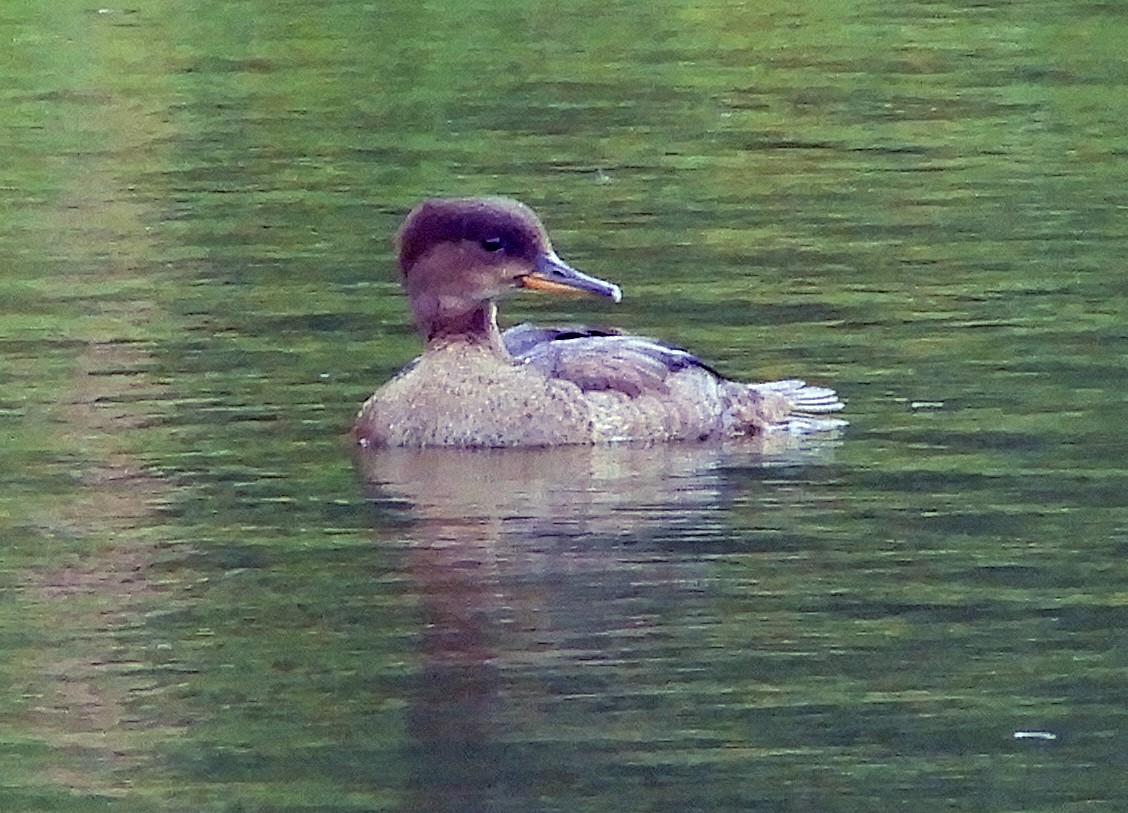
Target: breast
x=461 y=397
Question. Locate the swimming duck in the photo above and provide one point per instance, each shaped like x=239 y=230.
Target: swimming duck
x=475 y=386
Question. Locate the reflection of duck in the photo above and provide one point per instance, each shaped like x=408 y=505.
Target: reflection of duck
x=474 y=386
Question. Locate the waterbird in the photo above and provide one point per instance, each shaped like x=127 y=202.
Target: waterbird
x=475 y=386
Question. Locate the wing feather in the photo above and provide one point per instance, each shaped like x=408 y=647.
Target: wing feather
x=599 y=358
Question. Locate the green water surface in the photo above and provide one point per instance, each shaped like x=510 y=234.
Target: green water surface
x=207 y=604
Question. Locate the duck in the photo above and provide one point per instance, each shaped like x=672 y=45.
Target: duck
x=475 y=386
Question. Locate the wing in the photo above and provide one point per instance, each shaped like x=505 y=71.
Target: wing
x=599 y=358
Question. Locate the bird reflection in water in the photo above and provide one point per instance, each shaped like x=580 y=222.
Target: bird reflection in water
x=557 y=588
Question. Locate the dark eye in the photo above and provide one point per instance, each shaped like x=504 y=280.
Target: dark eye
x=493 y=244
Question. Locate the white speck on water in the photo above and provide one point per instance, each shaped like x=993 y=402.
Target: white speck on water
x=1045 y=736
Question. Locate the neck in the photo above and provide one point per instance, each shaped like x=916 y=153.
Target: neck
x=476 y=327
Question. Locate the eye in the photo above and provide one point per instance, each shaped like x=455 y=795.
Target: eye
x=492 y=244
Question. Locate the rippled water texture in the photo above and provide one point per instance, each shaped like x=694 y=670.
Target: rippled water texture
x=211 y=604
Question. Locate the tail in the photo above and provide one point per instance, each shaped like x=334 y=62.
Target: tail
x=794 y=406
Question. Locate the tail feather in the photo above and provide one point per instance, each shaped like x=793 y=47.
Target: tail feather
x=802 y=406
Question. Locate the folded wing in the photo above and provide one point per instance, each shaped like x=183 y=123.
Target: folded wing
x=600 y=358
x=605 y=360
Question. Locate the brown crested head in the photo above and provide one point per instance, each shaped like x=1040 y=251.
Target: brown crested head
x=457 y=255
x=490 y=225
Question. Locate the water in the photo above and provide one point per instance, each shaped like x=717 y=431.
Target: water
x=209 y=604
